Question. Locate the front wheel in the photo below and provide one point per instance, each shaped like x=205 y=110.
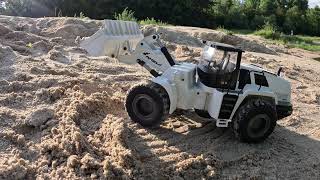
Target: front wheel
x=255 y=121
x=148 y=104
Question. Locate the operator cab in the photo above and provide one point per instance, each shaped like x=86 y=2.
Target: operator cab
x=219 y=65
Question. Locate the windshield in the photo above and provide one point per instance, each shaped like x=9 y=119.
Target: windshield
x=218 y=60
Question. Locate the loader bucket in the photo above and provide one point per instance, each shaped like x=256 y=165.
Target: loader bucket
x=115 y=38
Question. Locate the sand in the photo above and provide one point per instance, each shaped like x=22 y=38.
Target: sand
x=62 y=114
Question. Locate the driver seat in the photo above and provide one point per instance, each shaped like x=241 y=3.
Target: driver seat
x=216 y=77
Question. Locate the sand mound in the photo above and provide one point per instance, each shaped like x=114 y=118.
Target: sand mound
x=4 y=30
x=62 y=114
x=23 y=37
x=7 y=60
x=190 y=36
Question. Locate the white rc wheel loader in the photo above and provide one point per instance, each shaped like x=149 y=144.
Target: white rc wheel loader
x=245 y=97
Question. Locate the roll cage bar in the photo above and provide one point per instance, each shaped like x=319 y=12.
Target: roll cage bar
x=227 y=47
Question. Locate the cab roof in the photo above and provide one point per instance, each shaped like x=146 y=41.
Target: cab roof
x=225 y=47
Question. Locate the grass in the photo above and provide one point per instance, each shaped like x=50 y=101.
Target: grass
x=125 y=15
x=152 y=21
x=309 y=47
x=242 y=31
x=310 y=43
x=311 y=38
x=300 y=41
x=222 y=29
x=128 y=15
x=297 y=41
x=271 y=33
x=29 y=45
x=81 y=16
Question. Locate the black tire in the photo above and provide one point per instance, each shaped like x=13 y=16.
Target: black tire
x=255 y=121
x=148 y=104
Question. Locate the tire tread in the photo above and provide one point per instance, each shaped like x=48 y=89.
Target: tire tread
x=157 y=90
x=245 y=111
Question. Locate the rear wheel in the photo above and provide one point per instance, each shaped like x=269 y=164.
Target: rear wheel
x=148 y=104
x=255 y=121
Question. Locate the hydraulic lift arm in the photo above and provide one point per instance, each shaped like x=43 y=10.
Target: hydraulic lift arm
x=124 y=41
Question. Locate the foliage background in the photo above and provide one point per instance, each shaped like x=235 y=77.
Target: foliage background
x=284 y=15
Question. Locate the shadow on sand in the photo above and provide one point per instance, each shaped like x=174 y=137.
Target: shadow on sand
x=209 y=152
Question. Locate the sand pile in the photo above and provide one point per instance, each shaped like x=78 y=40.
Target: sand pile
x=190 y=36
x=62 y=113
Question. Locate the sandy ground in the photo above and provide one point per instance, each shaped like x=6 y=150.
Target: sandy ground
x=62 y=113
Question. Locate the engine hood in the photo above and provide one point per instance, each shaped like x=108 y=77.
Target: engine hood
x=279 y=85
x=252 y=67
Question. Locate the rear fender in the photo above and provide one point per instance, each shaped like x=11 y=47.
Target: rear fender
x=171 y=90
x=247 y=95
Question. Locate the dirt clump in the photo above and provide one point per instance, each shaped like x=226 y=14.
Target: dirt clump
x=39 y=117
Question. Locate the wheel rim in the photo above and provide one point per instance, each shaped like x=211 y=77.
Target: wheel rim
x=258 y=126
x=144 y=106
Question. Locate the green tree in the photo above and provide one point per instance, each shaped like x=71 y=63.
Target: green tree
x=286 y=15
x=302 y=5
x=313 y=21
x=220 y=12
x=294 y=20
x=251 y=8
x=18 y=7
x=236 y=17
x=267 y=7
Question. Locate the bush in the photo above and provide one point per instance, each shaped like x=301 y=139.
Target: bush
x=268 y=31
x=126 y=15
x=81 y=15
x=222 y=29
x=152 y=21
